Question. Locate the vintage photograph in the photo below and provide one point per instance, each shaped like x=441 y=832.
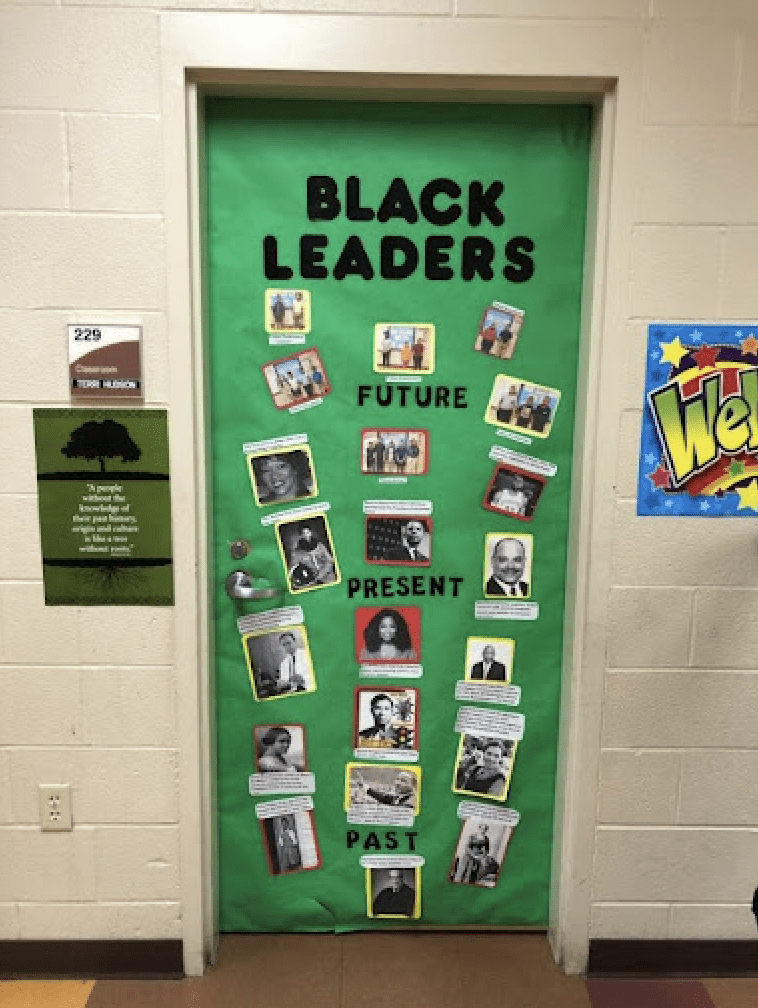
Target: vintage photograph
x=393 y=892
x=290 y=843
x=391 y=635
x=286 y=474
x=399 y=541
x=399 y=348
x=498 y=330
x=513 y=492
x=385 y=719
x=294 y=380
x=279 y=748
x=369 y=784
x=507 y=566
x=479 y=853
x=489 y=658
x=483 y=766
x=307 y=552
x=522 y=406
x=394 y=452
x=288 y=311
x=279 y=662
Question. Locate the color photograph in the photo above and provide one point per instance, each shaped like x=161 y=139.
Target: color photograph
x=522 y=406
x=402 y=348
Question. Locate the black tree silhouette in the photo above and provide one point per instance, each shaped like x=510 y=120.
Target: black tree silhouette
x=102 y=439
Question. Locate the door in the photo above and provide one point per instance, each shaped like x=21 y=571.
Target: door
x=394 y=315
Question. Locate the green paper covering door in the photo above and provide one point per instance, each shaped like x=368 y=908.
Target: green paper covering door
x=421 y=236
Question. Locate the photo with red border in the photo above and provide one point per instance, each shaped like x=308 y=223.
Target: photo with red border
x=514 y=492
x=296 y=379
x=378 y=724
x=398 y=540
x=388 y=634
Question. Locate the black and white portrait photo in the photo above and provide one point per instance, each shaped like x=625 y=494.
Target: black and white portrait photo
x=385 y=719
x=393 y=892
x=489 y=658
x=279 y=662
x=290 y=843
x=483 y=766
x=405 y=541
x=507 y=566
x=307 y=553
x=479 y=852
x=279 y=748
x=283 y=475
x=513 y=492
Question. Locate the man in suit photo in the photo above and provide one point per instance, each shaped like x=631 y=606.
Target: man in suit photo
x=508 y=567
x=488 y=668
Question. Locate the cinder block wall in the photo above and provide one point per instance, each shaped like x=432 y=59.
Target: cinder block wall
x=90 y=694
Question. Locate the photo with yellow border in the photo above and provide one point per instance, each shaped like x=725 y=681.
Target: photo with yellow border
x=522 y=406
x=281 y=475
x=307 y=552
x=361 y=779
x=472 y=773
x=287 y=311
x=377 y=890
x=474 y=659
x=507 y=575
x=279 y=662
x=404 y=348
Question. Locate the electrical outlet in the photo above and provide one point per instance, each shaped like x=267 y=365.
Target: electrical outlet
x=55 y=807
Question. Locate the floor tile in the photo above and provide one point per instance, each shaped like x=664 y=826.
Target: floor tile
x=733 y=993
x=513 y=971
x=45 y=993
x=388 y=969
x=648 y=994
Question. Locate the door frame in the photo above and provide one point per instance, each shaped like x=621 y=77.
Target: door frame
x=345 y=57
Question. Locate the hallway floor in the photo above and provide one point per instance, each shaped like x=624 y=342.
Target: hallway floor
x=386 y=970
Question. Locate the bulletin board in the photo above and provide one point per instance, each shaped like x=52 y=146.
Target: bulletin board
x=418 y=221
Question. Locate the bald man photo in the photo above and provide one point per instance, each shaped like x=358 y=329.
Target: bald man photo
x=508 y=568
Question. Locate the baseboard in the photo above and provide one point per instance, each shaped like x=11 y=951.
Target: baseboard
x=615 y=957
x=91 y=959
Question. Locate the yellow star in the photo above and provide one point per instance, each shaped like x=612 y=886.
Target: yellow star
x=749 y=345
x=673 y=351
x=749 y=495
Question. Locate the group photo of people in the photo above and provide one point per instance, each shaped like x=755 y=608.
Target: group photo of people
x=399 y=348
x=522 y=406
x=489 y=658
x=513 y=492
x=498 y=330
x=393 y=892
x=279 y=748
x=370 y=784
x=403 y=541
x=479 y=852
x=288 y=311
x=283 y=475
x=483 y=766
x=507 y=566
x=307 y=553
x=393 y=452
x=385 y=719
x=279 y=662
x=290 y=843
x=388 y=635
x=296 y=379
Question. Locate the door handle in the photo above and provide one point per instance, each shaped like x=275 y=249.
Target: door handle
x=239 y=585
